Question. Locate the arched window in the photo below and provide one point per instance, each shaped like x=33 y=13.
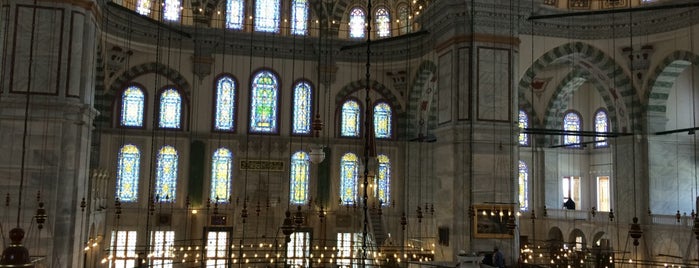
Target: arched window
x=166 y=174
x=301 y=108
x=128 y=169
x=300 y=166
x=224 y=108
x=267 y=16
x=263 y=103
x=299 y=17
x=357 y=23
x=382 y=120
x=132 y=106
x=235 y=14
x=170 y=109
x=404 y=19
x=171 y=10
x=601 y=126
x=349 y=123
x=523 y=123
x=221 y=175
x=349 y=168
x=143 y=7
x=383 y=185
x=572 y=122
x=383 y=23
x=523 y=189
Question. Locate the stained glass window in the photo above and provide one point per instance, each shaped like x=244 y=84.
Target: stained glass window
x=267 y=16
x=166 y=174
x=302 y=108
x=143 y=7
x=263 y=103
x=349 y=123
x=382 y=120
x=127 y=173
x=235 y=15
x=224 y=114
x=123 y=245
x=299 y=17
x=132 y=106
x=572 y=122
x=523 y=123
x=601 y=125
x=162 y=243
x=383 y=186
x=349 y=168
x=523 y=189
x=357 y=23
x=383 y=22
x=217 y=249
x=171 y=10
x=300 y=166
x=170 y=109
x=404 y=19
x=221 y=173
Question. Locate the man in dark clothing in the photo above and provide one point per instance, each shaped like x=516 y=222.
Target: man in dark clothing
x=570 y=204
x=498 y=258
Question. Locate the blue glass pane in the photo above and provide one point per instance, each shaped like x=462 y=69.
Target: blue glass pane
x=143 y=7
x=170 y=109
x=235 y=15
x=382 y=120
x=348 y=178
x=263 y=107
x=171 y=10
x=166 y=174
x=384 y=180
x=127 y=173
x=267 y=16
x=571 y=122
x=302 y=108
x=350 y=119
x=299 y=17
x=523 y=123
x=523 y=189
x=601 y=125
x=383 y=23
x=221 y=168
x=356 y=23
x=224 y=115
x=300 y=165
x=132 y=103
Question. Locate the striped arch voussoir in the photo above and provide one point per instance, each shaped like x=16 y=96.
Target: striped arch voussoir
x=361 y=84
x=661 y=82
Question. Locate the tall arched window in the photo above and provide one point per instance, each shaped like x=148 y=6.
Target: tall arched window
x=572 y=122
x=128 y=169
x=301 y=108
x=263 y=103
x=267 y=16
x=383 y=187
x=299 y=17
x=349 y=123
x=382 y=120
x=523 y=189
x=523 y=123
x=170 y=109
x=383 y=23
x=349 y=168
x=601 y=126
x=221 y=175
x=166 y=174
x=235 y=14
x=357 y=22
x=404 y=19
x=300 y=166
x=224 y=108
x=132 y=107
x=171 y=10
x=143 y=7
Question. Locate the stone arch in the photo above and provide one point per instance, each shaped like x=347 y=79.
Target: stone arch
x=667 y=249
x=555 y=238
x=386 y=95
x=426 y=72
x=600 y=67
x=152 y=67
x=337 y=13
x=661 y=82
x=574 y=234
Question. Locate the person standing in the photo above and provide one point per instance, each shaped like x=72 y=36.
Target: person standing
x=498 y=258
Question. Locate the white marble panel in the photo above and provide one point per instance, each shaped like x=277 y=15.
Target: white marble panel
x=76 y=43
x=42 y=49
x=444 y=83
x=464 y=84
x=493 y=84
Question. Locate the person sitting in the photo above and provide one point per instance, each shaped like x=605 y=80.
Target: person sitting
x=570 y=204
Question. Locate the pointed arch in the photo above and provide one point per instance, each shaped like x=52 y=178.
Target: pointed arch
x=660 y=82
x=422 y=114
